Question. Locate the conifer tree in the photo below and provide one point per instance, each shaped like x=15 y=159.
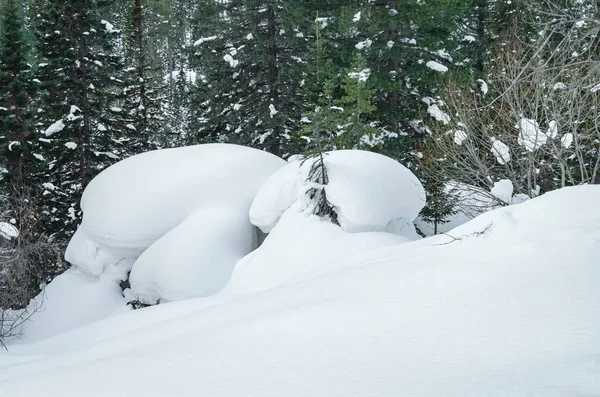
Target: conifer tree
x=251 y=63
x=83 y=126
x=142 y=93
x=15 y=97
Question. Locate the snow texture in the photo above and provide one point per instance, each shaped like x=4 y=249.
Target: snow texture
x=366 y=190
x=498 y=311
x=438 y=67
x=503 y=190
x=191 y=202
x=8 y=231
x=459 y=136
x=567 y=140
x=501 y=151
x=531 y=136
x=57 y=126
x=184 y=263
x=483 y=86
x=283 y=257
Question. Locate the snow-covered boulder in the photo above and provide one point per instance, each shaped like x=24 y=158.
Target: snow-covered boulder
x=133 y=203
x=194 y=259
x=368 y=191
x=185 y=209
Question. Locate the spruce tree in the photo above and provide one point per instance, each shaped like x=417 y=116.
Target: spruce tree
x=84 y=128
x=15 y=97
x=250 y=60
x=142 y=92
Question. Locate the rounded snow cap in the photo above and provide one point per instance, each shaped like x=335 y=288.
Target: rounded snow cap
x=367 y=190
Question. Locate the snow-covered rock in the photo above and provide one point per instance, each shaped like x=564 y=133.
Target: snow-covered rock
x=194 y=259
x=367 y=191
x=135 y=202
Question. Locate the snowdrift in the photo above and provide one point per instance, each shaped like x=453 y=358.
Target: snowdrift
x=509 y=305
x=368 y=191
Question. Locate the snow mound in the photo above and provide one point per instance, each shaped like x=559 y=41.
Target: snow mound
x=367 y=191
x=194 y=259
x=498 y=311
x=300 y=247
x=71 y=300
x=135 y=202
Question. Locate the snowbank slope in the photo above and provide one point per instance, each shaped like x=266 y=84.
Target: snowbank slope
x=509 y=307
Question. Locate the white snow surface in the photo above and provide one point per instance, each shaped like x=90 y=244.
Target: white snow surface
x=503 y=190
x=8 y=231
x=501 y=151
x=367 y=191
x=502 y=313
x=438 y=67
x=130 y=205
x=530 y=135
x=283 y=256
x=57 y=126
x=567 y=140
x=73 y=299
x=194 y=259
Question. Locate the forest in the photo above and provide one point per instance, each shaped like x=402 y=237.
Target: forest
x=466 y=94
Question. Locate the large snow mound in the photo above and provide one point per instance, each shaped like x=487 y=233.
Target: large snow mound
x=302 y=246
x=130 y=205
x=367 y=191
x=71 y=300
x=507 y=306
x=194 y=259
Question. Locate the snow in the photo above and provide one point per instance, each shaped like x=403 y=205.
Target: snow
x=129 y=206
x=356 y=17
x=367 y=191
x=71 y=145
x=503 y=190
x=8 y=231
x=202 y=40
x=530 y=135
x=13 y=144
x=496 y=311
x=363 y=44
x=438 y=114
x=48 y=186
x=57 y=126
x=559 y=86
x=272 y=110
x=438 y=67
x=109 y=27
x=194 y=259
x=470 y=39
x=361 y=76
x=459 y=136
x=283 y=257
x=72 y=299
x=483 y=86
x=567 y=140
x=552 y=130
x=229 y=59
x=501 y=151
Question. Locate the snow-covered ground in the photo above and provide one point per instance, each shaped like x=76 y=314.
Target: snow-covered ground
x=505 y=305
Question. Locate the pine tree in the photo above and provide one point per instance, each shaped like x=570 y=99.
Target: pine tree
x=83 y=125
x=251 y=61
x=15 y=97
x=142 y=94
